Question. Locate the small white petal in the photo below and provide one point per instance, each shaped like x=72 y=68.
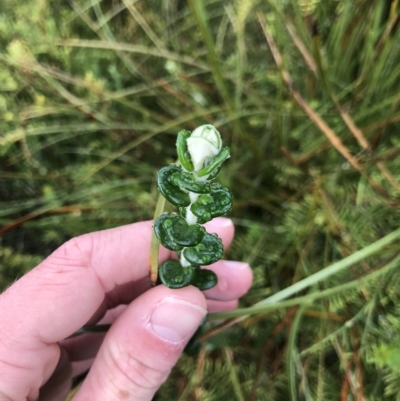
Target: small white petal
x=204 y=143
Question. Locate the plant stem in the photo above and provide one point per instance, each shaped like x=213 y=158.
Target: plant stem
x=317 y=277
x=154 y=246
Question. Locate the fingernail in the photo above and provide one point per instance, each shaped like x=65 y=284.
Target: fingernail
x=218 y=223
x=235 y=265
x=176 y=320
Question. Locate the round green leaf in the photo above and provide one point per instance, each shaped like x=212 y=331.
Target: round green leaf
x=173 y=275
x=171 y=192
x=182 y=150
x=216 y=162
x=204 y=279
x=214 y=173
x=187 y=182
x=182 y=212
x=162 y=234
x=207 y=252
x=181 y=233
x=217 y=203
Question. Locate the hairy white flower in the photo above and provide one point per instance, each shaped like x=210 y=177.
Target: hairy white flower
x=203 y=144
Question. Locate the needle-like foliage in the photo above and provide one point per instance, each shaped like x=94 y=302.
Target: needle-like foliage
x=92 y=94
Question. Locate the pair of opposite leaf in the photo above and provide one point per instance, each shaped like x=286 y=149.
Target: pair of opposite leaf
x=191 y=189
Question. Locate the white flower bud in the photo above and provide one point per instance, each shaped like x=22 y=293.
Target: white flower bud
x=204 y=143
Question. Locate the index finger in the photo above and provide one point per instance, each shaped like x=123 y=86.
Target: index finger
x=60 y=295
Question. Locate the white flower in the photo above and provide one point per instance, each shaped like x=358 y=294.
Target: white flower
x=203 y=144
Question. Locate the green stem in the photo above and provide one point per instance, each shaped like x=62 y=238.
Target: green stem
x=199 y=12
x=154 y=246
x=268 y=303
x=233 y=376
x=292 y=354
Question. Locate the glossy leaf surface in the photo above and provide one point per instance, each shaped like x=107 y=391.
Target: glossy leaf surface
x=217 y=203
x=181 y=233
x=173 y=275
x=182 y=212
x=214 y=173
x=171 y=192
x=186 y=181
x=204 y=279
x=215 y=162
x=182 y=150
x=162 y=234
x=209 y=251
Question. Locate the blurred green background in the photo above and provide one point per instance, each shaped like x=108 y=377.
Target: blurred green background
x=305 y=93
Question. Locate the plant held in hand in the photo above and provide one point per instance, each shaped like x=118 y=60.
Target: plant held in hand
x=190 y=186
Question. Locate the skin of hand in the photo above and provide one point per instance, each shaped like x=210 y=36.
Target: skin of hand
x=102 y=277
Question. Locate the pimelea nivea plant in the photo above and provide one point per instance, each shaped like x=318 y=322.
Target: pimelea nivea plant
x=190 y=186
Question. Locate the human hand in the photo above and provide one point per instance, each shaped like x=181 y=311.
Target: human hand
x=102 y=277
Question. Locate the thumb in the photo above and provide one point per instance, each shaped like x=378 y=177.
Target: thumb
x=143 y=345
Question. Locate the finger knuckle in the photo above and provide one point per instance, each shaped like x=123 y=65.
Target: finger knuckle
x=74 y=253
x=130 y=375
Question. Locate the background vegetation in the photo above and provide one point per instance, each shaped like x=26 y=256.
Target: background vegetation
x=305 y=92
